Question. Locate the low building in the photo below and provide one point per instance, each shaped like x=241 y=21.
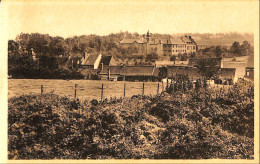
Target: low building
x=140 y=73
x=113 y=73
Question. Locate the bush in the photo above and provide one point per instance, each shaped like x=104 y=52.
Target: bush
x=169 y=126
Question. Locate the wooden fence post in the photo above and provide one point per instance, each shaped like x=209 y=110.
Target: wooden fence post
x=124 y=89
x=167 y=83
x=143 y=89
x=102 y=92
x=75 y=95
x=41 y=89
x=158 y=88
x=162 y=87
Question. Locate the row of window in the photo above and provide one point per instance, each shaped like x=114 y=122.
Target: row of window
x=190 y=47
x=177 y=46
x=175 y=51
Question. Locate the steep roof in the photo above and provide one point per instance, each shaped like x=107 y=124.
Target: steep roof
x=138 y=71
x=91 y=59
x=106 y=60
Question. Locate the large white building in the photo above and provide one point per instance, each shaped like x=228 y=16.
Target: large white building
x=170 y=46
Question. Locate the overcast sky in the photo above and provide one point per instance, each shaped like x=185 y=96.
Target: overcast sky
x=67 y=19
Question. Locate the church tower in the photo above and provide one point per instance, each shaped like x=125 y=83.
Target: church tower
x=148 y=36
x=148 y=39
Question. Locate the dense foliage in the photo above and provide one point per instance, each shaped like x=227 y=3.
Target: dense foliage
x=194 y=125
x=236 y=49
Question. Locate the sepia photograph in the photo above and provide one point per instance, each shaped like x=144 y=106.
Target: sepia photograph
x=103 y=81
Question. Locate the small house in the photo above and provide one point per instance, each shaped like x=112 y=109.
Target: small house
x=91 y=61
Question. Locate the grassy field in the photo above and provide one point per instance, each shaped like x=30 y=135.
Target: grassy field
x=86 y=89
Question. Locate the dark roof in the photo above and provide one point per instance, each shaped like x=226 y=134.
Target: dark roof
x=106 y=60
x=86 y=71
x=91 y=59
x=191 y=72
x=138 y=71
x=113 y=70
x=227 y=72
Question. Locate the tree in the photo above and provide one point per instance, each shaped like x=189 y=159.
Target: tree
x=173 y=58
x=208 y=69
x=218 y=51
x=235 y=48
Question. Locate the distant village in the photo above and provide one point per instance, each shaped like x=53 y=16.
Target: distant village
x=104 y=67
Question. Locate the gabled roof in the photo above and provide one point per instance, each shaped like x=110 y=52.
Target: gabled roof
x=138 y=71
x=91 y=59
x=176 y=41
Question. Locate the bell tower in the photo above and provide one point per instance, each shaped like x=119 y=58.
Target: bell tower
x=148 y=36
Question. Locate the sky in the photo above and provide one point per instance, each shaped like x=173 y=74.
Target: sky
x=69 y=18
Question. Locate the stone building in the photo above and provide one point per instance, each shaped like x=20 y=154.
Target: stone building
x=170 y=46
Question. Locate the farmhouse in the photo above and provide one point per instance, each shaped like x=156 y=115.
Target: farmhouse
x=91 y=61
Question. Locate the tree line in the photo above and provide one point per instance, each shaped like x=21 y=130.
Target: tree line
x=235 y=50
